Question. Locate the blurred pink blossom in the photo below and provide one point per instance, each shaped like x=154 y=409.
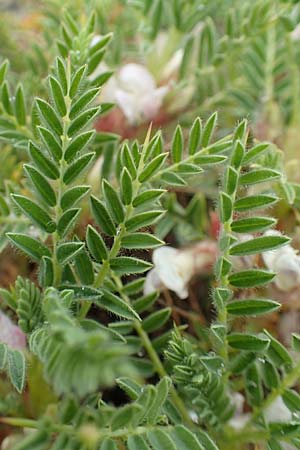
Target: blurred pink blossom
x=11 y=334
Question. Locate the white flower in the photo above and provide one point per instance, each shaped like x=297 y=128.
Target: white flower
x=239 y=419
x=295 y=34
x=285 y=262
x=134 y=90
x=173 y=269
x=277 y=411
x=11 y=334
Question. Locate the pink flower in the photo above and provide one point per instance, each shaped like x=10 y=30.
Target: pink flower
x=11 y=334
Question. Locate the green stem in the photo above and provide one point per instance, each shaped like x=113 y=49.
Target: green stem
x=154 y=357
x=160 y=370
x=34 y=424
x=60 y=184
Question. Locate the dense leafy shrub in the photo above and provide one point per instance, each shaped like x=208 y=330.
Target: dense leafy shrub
x=88 y=324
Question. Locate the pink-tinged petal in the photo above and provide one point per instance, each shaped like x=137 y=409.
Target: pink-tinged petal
x=11 y=334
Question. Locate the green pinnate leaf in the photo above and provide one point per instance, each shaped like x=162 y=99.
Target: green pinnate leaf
x=51 y=142
x=16 y=369
x=172 y=179
x=67 y=251
x=20 y=106
x=46 y=272
x=101 y=43
x=125 y=416
x=96 y=244
x=225 y=207
x=203 y=159
x=83 y=101
x=248 y=342
x=137 y=443
x=3 y=70
x=162 y=392
x=146 y=197
x=32 y=247
x=259 y=245
x=127 y=264
x=72 y=196
x=58 y=96
x=153 y=167
x=177 y=145
x=156 y=320
x=251 y=278
x=102 y=217
x=206 y=441
x=141 y=240
x=253 y=385
x=35 y=213
x=231 y=180
x=252 y=307
x=62 y=75
x=237 y=155
x=292 y=400
x=255 y=152
x=252 y=224
x=128 y=161
x=67 y=221
x=259 y=176
x=145 y=302
x=277 y=353
x=41 y=185
x=82 y=120
x=77 y=167
x=77 y=80
x=255 y=202
x=116 y=305
x=84 y=267
x=113 y=202
x=185 y=439
x=208 y=129
x=160 y=440
x=78 y=144
x=6 y=98
x=126 y=187
x=108 y=444
x=269 y=374
x=240 y=133
x=44 y=164
x=143 y=220
x=195 y=136
x=49 y=116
